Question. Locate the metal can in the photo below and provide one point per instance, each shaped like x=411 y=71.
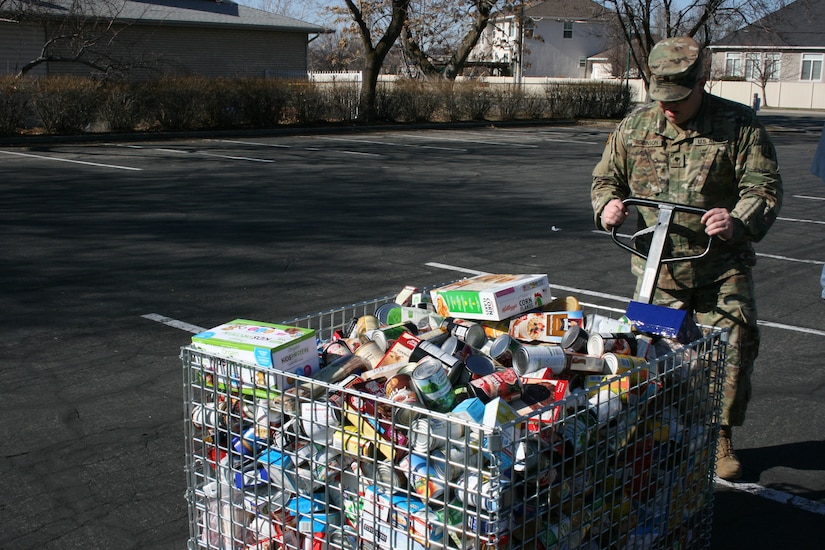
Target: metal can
x=503 y=349
x=478 y=366
x=482 y=493
x=575 y=339
x=618 y=363
x=504 y=384
x=400 y=389
x=623 y=343
x=427 y=348
x=532 y=358
x=372 y=352
x=428 y=433
x=383 y=336
x=427 y=478
x=364 y=324
x=433 y=385
x=468 y=332
x=345 y=538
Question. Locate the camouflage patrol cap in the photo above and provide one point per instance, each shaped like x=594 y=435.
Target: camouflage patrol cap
x=675 y=68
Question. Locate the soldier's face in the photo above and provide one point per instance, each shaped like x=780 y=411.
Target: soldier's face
x=683 y=111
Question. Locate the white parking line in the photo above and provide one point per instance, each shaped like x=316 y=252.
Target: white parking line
x=392 y=144
x=231 y=157
x=482 y=142
x=801 y=221
x=86 y=163
x=774 y=495
x=168 y=321
x=255 y=143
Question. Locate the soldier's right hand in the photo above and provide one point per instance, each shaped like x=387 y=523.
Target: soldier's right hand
x=614 y=214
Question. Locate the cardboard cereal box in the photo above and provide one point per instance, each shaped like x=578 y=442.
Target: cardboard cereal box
x=491 y=297
x=271 y=351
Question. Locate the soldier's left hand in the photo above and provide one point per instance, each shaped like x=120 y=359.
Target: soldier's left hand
x=718 y=222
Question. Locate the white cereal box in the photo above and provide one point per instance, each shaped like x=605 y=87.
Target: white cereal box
x=491 y=297
x=270 y=351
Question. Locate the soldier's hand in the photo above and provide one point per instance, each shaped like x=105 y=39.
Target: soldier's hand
x=718 y=222
x=614 y=214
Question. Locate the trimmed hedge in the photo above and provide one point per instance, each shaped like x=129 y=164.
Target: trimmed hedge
x=72 y=105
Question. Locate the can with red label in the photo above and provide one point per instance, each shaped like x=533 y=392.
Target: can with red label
x=504 y=383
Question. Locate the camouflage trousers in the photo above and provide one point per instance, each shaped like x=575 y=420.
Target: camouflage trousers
x=728 y=303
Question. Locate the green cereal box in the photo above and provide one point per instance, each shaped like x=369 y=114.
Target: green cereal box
x=491 y=297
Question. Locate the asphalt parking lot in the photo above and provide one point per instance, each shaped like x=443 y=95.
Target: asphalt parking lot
x=113 y=252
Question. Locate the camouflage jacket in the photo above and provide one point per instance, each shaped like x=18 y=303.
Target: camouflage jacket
x=723 y=159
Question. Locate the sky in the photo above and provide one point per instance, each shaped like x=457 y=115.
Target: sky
x=310 y=11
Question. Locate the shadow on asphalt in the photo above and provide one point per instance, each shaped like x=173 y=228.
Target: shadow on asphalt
x=742 y=520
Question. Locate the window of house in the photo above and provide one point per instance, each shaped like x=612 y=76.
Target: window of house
x=529 y=28
x=733 y=64
x=568 y=29
x=772 y=65
x=752 y=66
x=811 y=66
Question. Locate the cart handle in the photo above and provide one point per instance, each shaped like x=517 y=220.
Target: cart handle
x=666 y=210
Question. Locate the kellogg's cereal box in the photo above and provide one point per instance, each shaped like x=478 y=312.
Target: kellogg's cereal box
x=491 y=297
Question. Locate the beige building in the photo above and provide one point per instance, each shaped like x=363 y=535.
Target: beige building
x=780 y=58
x=160 y=37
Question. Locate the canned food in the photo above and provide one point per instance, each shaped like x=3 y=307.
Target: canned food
x=503 y=348
x=575 y=339
x=428 y=433
x=427 y=478
x=527 y=359
x=383 y=336
x=623 y=343
x=427 y=348
x=433 y=385
x=504 y=384
x=468 y=332
x=371 y=352
x=605 y=406
x=487 y=494
x=478 y=366
x=364 y=324
x=618 y=363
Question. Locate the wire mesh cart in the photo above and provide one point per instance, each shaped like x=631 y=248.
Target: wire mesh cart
x=625 y=460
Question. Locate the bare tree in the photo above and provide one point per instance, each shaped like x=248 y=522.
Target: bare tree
x=441 y=34
x=642 y=23
x=74 y=31
x=378 y=23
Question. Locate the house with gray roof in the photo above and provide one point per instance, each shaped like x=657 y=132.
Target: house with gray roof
x=145 y=38
x=780 y=56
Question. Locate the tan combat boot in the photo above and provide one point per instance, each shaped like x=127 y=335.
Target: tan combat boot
x=727 y=465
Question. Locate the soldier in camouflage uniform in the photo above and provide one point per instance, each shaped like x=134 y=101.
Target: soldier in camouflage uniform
x=693 y=148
